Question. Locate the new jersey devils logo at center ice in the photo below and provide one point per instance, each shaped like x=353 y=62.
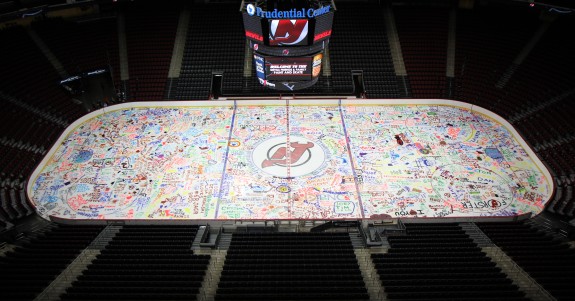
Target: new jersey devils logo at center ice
x=273 y=156
x=284 y=156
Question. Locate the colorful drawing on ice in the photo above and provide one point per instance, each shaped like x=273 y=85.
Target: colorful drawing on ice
x=264 y=160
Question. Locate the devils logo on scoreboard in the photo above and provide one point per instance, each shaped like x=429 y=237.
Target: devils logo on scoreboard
x=288 y=32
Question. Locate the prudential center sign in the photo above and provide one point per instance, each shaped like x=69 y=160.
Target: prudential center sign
x=284 y=14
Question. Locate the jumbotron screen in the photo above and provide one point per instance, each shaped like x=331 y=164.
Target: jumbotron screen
x=286 y=32
x=288 y=68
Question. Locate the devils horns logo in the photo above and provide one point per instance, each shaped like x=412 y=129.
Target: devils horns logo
x=288 y=32
x=280 y=156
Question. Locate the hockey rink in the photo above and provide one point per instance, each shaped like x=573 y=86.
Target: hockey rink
x=290 y=159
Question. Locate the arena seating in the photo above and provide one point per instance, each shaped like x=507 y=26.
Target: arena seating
x=423 y=38
x=25 y=130
x=24 y=139
x=212 y=44
x=548 y=260
x=14 y=203
x=32 y=266
x=545 y=73
x=485 y=49
x=433 y=261
x=362 y=46
x=291 y=266
x=440 y=261
x=150 y=35
x=144 y=263
x=83 y=45
x=27 y=75
x=483 y=54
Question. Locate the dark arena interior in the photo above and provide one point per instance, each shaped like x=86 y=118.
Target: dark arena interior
x=287 y=150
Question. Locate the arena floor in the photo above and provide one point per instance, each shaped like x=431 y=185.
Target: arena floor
x=347 y=159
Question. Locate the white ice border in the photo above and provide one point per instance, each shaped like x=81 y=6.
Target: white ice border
x=292 y=102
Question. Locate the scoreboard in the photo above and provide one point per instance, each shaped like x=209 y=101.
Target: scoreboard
x=288 y=42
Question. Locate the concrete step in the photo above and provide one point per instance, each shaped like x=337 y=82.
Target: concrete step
x=50 y=56
x=123 y=47
x=71 y=273
x=476 y=234
x=369 y=274
x=526 y=284
x=213 y=275
x=356 y=240
x=179 y=44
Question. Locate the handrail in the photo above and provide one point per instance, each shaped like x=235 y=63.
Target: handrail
x=362 y=233
x=367 y=239
x=401 y=224
x=205 y=236
x=400 y=230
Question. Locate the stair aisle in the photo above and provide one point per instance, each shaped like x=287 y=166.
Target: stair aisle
x=440 y=261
